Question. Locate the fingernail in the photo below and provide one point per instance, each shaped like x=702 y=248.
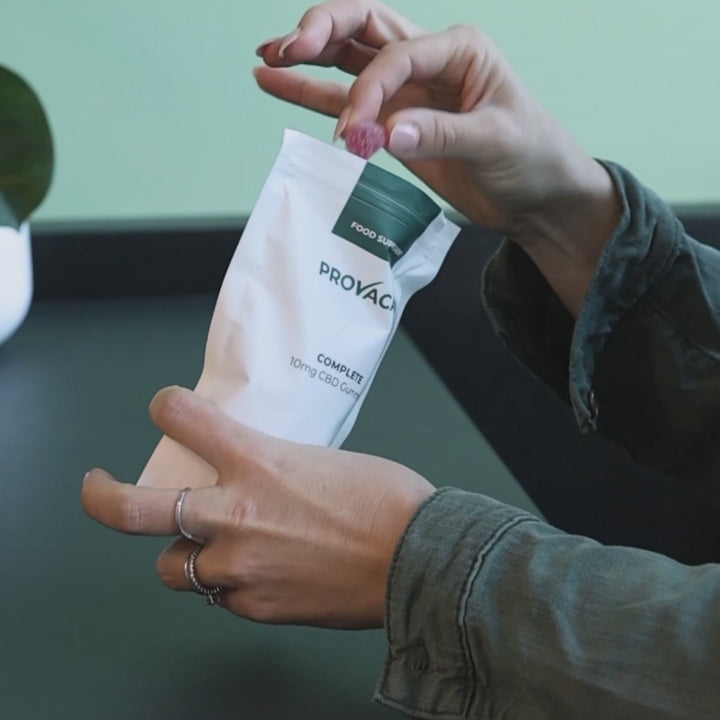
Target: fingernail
x=404 y=138
x=261 y=47
x=85 y=477
x=341 y=123
x=288 y=41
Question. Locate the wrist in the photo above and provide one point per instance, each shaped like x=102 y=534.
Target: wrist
x=403 y=515
x=567 y=236
x=577 y=220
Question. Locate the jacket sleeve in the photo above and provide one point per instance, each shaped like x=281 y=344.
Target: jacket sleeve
x=641 y=364
x=496 y=615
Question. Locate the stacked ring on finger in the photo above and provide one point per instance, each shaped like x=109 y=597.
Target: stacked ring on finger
x=179 y=503
x=212 y=594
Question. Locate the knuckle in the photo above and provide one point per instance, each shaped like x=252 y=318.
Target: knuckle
x=390 y=60
x=312 y=12
x=132 y=515
x=168 y=405
x=322 y=14
x=445 y=135
x=238 y=513
x=467 y=32
x=393 y=53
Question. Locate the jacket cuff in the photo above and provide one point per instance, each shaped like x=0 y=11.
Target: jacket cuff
x=430 y=671
x=534 y=325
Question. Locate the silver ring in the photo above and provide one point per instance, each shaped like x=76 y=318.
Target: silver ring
x=212 y=594
x=178 y=518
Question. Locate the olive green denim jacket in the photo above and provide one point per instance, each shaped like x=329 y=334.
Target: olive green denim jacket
x=492 y=613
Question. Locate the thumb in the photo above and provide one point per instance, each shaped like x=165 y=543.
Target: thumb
x=422 y=133
x=196 y=423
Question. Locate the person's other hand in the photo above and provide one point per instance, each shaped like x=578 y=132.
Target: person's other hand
x=460 y=118
x=295 y=533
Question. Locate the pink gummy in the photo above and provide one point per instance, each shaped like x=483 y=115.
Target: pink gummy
x=365 y=139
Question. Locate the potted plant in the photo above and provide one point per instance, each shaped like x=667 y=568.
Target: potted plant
x=26 y=164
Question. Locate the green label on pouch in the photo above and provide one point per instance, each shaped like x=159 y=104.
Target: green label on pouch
x=385 y=214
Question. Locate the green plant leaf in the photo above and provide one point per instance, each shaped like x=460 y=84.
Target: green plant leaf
x=26 y=150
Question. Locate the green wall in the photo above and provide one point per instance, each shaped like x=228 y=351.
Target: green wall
x=156 y=114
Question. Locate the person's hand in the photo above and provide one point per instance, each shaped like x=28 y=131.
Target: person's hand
x=295 y=533
x=460 y=118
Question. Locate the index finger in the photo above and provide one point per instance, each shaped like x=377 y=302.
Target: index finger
x=138 y=510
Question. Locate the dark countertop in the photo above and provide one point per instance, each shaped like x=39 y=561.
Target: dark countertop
x=88 y=631
x=581 y=483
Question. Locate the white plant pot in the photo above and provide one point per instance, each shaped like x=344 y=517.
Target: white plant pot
x=16 y=278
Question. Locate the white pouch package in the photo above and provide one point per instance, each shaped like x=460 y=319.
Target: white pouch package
x=332 y=252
